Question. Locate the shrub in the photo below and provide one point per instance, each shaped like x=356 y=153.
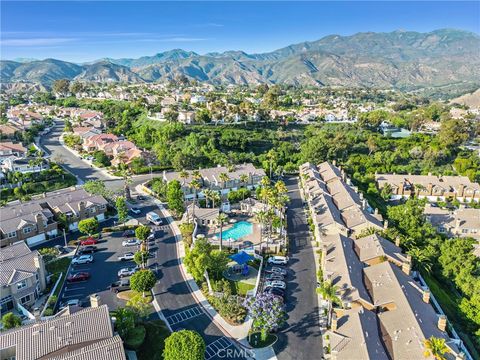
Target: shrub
x=184 y=344
x=48 y=312
x=135 y=337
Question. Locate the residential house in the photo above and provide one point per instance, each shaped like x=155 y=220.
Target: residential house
x=211 y=178
x=24 y=165
x=434 y=188
x=202 y=216
x=8 y=131
x=36 y=220
x=186 y=117
x=463 y=222
x=86 y=334
x=198 y=99
x=10 y=149
x=22 y=276
x=98 y=142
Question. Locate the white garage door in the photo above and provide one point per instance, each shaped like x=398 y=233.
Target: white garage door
x=101 y=217
x=35 y=239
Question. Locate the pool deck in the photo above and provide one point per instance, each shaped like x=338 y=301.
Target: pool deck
x=254 y=237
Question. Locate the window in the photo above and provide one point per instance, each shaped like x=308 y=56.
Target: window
x=12 y=234
x=441 y=229
x=25 y=299
x=21 y=284
x=27 y=230
x=102 y=207
x=464 y=231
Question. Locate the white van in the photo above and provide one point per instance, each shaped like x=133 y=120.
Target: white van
x=154 y=218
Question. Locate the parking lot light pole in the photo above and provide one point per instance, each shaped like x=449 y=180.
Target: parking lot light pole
x=65 y=237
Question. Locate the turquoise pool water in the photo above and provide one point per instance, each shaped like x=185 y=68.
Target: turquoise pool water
x=237 y=231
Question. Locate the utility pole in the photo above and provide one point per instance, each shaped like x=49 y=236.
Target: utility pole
x=65 y=237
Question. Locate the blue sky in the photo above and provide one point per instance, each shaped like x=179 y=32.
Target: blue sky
x=84 y=31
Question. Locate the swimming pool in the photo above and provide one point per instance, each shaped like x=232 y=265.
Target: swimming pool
x=237 y=231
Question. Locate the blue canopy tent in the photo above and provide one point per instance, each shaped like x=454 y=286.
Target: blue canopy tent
x=241 y=257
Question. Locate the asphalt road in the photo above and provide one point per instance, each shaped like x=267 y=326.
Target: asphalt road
x=78 y=167
x=179 y=307
x=301 y=339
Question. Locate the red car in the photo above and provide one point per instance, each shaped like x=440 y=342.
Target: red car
x=80 y=276
x=89 y=241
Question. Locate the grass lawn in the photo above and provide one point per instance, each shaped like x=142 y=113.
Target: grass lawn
x=58 y=266
x=240 y=288
x=256 y=342
x=152 y=347
x=127 y=295
x=449 y=301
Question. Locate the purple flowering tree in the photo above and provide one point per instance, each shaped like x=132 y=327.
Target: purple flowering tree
x=267 y=313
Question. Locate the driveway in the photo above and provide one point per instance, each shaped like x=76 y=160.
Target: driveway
x=301 y=338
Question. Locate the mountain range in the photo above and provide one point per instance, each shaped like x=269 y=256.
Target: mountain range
x=399 y=59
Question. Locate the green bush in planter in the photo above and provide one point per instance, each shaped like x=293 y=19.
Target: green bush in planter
x=135 y=337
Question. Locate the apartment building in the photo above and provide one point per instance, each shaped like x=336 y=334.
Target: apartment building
x=22 y=276
x=385 y=313
x=212 y=178
x=85 y=334
x=36 y=220
x=434 y=188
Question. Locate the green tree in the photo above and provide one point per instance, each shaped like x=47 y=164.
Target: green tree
x=97 y=187
x=142 y=232
x=141 y=258
x=122 y=209
x=221 y=220
x=143 y=281
x=88 y=226
x=124 y=321
x=453 y=133
x=175 y=197
x=10 y=321
x=203 y=116
x=101 y=158
x=61 y=86
x=185 y=345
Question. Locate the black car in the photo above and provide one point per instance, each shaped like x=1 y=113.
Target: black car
x=140 y=197
x=121 y=285
x=87 y=250
x=128 y=233
x=276 y=292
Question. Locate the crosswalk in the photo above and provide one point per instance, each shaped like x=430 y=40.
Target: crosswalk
x=184 y=315
x=216 y=348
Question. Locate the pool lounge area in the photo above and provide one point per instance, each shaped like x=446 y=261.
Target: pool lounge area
x=238 y=231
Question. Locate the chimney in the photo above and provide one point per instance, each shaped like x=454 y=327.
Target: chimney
x=426 y=296
x=397 y=241
x=360 y=194
x=324 y=252
x=39 y=221
x=442 y=323
x=460 y=356
x=407 y=267
x=364 y=204
x=334 y=162
x=95 y=301
x=461 y=189
x=429 y=188
x=40 y=265
x=81 y=207
x=44 y=195
x=385 y=225
x=334 y=322
x=429 y=174
x=375 y=211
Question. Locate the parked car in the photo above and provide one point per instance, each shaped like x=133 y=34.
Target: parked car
x=121 y=285
x=274 y=276
x=128 y=233
x=154 y=218
x=277 y=270
x=83 y=259
x=79 y=276
x=71 y=302
x=131 y=242
x=61 y=249
x=276 y=284
x=89 y=241
x=140 y=197
x=278 y=260
x=126 y=257
x=276 y=292
x=151 y=237
x=135 y=210
x=128 y=271
x=87 y=250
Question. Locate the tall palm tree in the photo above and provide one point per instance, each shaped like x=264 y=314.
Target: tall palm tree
x=265 y=181
x=215 y=198
x=261 y=217
x=244 y=179
x=208 y=193
x=329 y=293
x=184 y=176
x=224 y=178
x=435 y=347
x=195 y=184
x=281 y=187
x=221 y=219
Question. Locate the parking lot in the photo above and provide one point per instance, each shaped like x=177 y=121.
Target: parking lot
x=104 y=269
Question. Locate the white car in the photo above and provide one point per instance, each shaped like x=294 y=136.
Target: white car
x=277 y=270
x=278 y=260
x=128 y=271
x=135 y=210
x=276 y=284
x=84 y=259
x=151 y=237
x=126 y=257
x=71 y=302
x=131 y=242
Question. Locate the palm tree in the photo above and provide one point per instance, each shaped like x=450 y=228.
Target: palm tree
x=329 y=293
x=208 y=193
x=215 y=198
x=195 y=184
x=420 y=258
x=261 y=217
x=435 y=347
x=265 y=181
x=184 y=176
x=244 y=179
x=224 y=178
x=221 y=219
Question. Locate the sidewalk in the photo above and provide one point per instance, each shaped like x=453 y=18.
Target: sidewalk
x=239 y=332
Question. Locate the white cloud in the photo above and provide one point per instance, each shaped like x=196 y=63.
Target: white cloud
x=35 y=41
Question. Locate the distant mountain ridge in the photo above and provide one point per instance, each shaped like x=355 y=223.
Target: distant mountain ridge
x=399 y=59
